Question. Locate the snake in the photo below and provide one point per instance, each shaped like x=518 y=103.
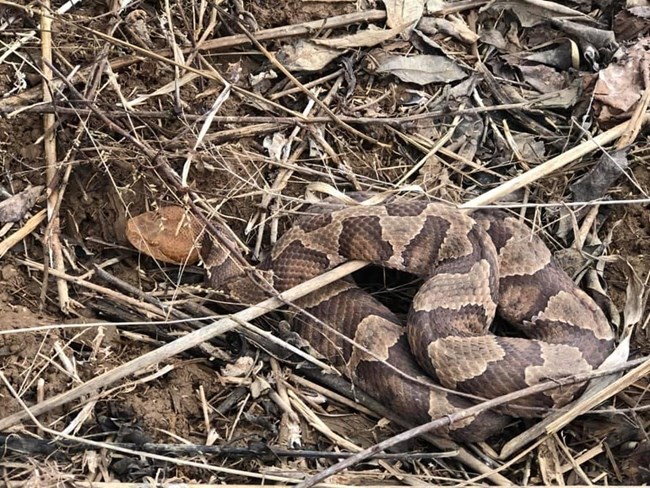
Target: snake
x=445 y=356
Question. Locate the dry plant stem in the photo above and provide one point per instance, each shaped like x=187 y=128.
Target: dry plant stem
x=459 y=6
x=311 y=84
x=572 y=461
x=30 y=226
x=636 y=122
x=238 y=133
x=132 y=302
x=146 y=297
x=559 y=8
x=329 y=393
x=464 y=414
x=52 y=241
x=302 y=29
x=193 y=339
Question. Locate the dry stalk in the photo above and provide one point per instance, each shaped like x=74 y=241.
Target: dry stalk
x=30 y=226
x=145 y=308
x=52 y=241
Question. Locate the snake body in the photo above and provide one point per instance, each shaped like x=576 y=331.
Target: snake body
x=473 y=267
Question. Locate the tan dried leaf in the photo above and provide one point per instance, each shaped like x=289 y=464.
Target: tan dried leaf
x=306 y=56
x=421 y=69
x=404 y=13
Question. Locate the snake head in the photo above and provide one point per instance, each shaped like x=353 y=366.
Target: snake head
x=169 y=234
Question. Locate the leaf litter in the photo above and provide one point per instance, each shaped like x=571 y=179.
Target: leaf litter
x=175 y=104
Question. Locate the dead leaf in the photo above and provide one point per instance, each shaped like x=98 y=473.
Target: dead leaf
x=632 y=23
x=641 y=11
x=529 y=147
x=456 y=28
x=530 y=15
x=14 y=208
x=565 y=98
x=259 y=387
x=543 y=78
x=423 y=42
x=434 y=6
x=306 y=56
x=563 y=56
x=599 y=38
x=620 y=85
x=421 y=69
x=240 y=368
x=276 y=145
x=601 y=177
x=635 y=295
x=366 y=38
x=494 y=38
x=403 y=13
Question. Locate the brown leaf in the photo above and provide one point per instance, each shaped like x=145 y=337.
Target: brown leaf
x=632 y=23
x=494 y=38
x=543 y=78
x=620 y=85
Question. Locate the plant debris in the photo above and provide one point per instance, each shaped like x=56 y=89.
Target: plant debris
x=242 y=113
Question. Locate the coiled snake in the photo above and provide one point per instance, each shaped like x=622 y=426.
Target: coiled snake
x=473 y=266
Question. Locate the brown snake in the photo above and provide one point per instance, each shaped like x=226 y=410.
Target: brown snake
x=473 y=266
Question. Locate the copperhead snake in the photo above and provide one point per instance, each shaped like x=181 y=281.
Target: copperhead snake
x=473 y=266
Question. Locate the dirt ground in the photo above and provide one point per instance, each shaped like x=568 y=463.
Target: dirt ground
x=216 y=394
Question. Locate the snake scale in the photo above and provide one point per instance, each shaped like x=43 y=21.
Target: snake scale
x=473 y=266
